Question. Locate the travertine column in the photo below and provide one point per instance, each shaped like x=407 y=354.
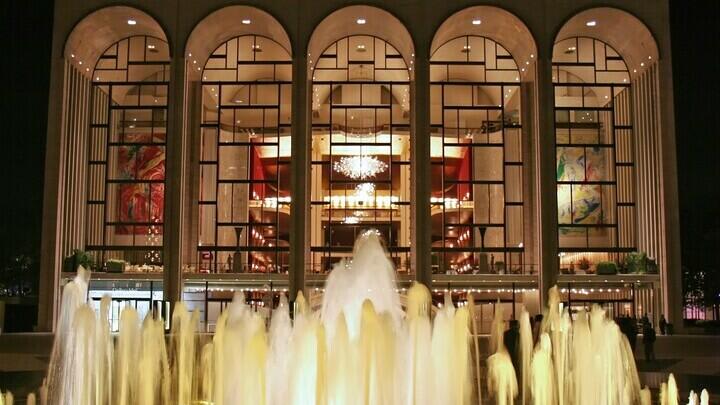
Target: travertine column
x=421 y=227
x=300 y=175
x=174 y=182
x=547 y=190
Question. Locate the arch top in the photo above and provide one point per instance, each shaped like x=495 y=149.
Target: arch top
x=229 y=22
x=92 y=36
x=360 y=20
x=492 y=22
x=624 y=32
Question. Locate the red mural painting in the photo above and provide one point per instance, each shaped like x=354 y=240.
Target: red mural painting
x=140 y=202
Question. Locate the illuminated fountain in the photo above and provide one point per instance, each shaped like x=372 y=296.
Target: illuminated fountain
x=360 y=348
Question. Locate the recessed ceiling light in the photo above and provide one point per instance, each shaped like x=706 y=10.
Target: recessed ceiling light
x=360 y=21
x=246 y=21
x=591 y=23
x=476 y=21
x=131 y=21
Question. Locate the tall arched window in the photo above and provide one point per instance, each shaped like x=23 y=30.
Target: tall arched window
x=594 y=152
x=126 y=152
x=360 y=150
x=244 y=184
x=477 y=158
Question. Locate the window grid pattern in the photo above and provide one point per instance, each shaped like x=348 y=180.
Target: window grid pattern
x=477 y=159
x=594 y=151
x=360 y=110
x=126 y=151
x=244 y=197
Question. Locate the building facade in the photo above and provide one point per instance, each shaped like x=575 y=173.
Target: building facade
x=200 y=148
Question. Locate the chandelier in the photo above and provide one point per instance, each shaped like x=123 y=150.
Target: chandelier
x=360 y=167
x=364 y=190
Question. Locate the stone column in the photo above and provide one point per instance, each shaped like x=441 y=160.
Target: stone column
x=50 y=262
x=174 y=182
x=546 y=176
x=421 y=226
x=300 y=175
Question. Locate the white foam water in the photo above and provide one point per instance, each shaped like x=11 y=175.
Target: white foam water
x=359 y=348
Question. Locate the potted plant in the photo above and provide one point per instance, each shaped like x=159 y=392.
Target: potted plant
x=76 y=259
x=606 y=268
x=636 y=262
x=584 y=265
x=115 y=266
x=651 y=266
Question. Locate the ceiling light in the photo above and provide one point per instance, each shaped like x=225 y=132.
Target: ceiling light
x=72 y=55
x=360 y=21
x=476 y=21
x=642 y=63
x=360 y=167
x=131 y=22
x=80 y=63
x=364 y=191
x=246 y=21
x=591 y=23
x=532 y=55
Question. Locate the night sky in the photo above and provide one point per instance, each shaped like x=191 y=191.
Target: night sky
x=27 y=34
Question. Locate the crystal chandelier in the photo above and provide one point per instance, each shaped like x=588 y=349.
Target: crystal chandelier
x=360 y=167
x=364 y=190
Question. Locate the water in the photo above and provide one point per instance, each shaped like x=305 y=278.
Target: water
x=360 y=348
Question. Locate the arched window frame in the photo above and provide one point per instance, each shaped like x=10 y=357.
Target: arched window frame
x=614 y=191
x=257 y=246
x=391 y=75
x=121 y=162
x=460 y=247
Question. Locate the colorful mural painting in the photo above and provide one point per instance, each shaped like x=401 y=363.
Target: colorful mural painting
x=141 y=202
x=580 y=203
